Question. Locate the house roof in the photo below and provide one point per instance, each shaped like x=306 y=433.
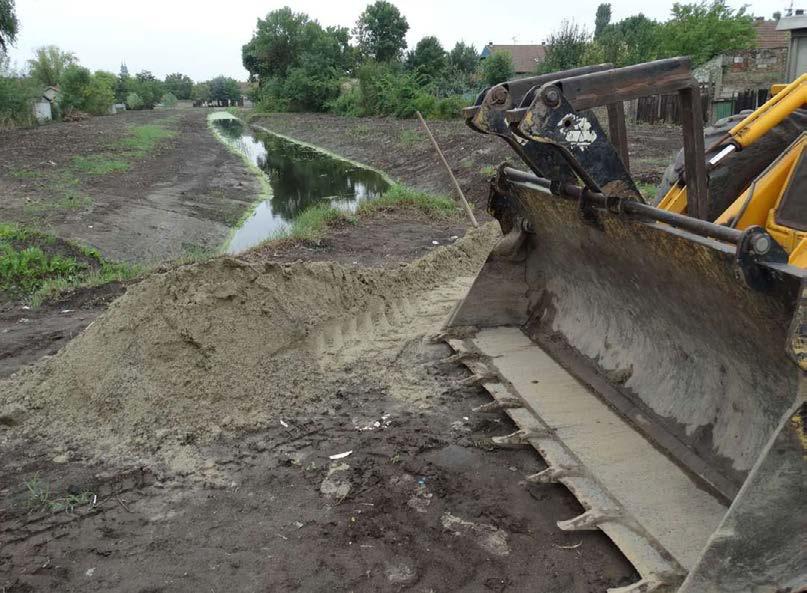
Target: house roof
x=525 y=57
x=767 y=35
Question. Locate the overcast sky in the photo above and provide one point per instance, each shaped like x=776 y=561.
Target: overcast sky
x=203 y=38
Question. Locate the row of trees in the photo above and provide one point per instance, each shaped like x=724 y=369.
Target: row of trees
x=701 y=30
x=300 y=65
x=86 y=91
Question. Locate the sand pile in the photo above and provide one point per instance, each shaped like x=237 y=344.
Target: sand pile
x=223 y=345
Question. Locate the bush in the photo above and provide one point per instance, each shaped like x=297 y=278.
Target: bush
x=83 y=91
x=347 y=103
x=497 y=68
x=133 y=101
x=169 y=100
x=15 y=102
x=450 y=107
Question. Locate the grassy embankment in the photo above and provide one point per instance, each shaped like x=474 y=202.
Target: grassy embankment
x=313 y=223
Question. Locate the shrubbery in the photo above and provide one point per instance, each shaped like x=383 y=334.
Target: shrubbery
x=86 y=92
x=16 y=95
x=301 y=66
x=169 y=100
x=133 y=101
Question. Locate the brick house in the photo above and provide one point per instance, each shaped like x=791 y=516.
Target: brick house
x=525 y=57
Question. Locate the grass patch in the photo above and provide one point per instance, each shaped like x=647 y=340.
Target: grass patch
x=24 y=270
x=25 y=174
x=399 y=196
x=40 y=497
x=488 y=170
x=142 y=139
x=410 y=137
x=108 y=272
x=648 y=190
x=98 y=164
x=312 y=223
x=37 y=266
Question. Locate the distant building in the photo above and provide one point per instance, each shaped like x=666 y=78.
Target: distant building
x=526 y=58
x=768 y=36
x=796 y=25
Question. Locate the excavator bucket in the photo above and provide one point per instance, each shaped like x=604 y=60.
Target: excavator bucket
x=656 y=362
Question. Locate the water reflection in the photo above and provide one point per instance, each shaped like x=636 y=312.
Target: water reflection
x=300 y=178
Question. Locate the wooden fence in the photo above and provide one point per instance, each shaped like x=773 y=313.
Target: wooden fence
x=656 y=109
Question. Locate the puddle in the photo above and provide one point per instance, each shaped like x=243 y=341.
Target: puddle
x=300 y=177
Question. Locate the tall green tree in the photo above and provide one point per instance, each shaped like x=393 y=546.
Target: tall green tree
x=602 y=19
x=566 y=48
x=297 y=63
x=463 y=58
x=381 y=31
x=146 y=86
x=704 y=30
x=276 y=45
x=84 y=91
x=223 y=88
x=428 y=58
x=497 y=68
x=9 y=24
x=629 y=41
x=49 y=63
x=180 y=85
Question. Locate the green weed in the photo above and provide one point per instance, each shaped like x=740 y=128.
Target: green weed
x=142 y=139
x=108 y=272
x=312 y=223
x=26 y=270
x=410 y=137
x=488 y=171
x=98 y=164
x=39 y=497
x=648 y=190
x=399 y=196
x=25 y=174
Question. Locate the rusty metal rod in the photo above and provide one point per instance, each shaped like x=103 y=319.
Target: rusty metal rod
x=694 y=225
x=465 y=203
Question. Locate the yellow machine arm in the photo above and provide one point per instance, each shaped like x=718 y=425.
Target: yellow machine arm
x=759 y=204
x=766 y=117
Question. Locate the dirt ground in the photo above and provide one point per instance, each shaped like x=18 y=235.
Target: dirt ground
x=217 y=395
x=179 y=199
x=183 y=441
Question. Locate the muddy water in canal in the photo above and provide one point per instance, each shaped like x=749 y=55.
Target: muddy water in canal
x=300 y=177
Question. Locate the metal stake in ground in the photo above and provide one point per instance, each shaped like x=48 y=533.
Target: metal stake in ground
x=450 y=173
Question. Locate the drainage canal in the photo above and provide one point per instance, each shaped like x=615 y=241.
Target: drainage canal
x=300 y=177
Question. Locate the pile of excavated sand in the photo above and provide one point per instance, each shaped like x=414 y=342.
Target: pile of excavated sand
x=218 y=346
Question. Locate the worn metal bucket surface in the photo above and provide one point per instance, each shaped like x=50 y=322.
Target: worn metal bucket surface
x=654 y=336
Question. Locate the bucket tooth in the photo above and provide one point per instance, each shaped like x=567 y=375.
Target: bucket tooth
x=519 y=438
x=453 y=333
x=552 y=475
x=587 y=521
x=505 y=403
x=474 y=380
x=457 y=358
x=646 y=585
